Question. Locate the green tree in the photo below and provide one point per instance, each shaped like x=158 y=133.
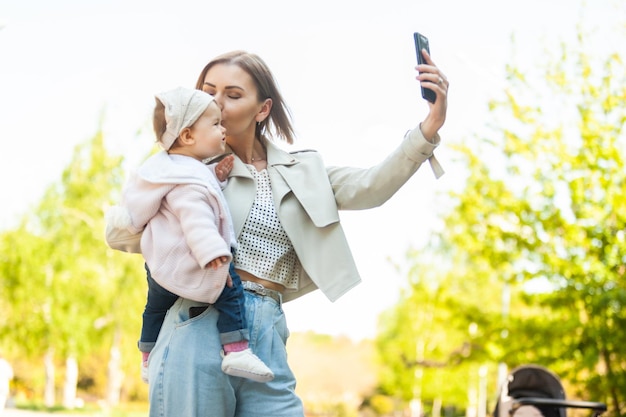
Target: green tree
x=578 y=194
x=71 y=295
x=541 y=217
x=434 y=342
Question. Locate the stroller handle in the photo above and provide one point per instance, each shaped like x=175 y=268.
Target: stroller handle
x=518 y=402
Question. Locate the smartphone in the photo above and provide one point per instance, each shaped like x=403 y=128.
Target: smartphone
x=421 y=42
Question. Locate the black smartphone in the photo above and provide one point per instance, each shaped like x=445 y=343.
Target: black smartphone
x=421 y=42
x=195 y=311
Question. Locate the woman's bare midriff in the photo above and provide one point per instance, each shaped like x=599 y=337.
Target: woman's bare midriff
x=246 y=276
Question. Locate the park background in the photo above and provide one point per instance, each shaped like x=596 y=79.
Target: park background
x=72 y=69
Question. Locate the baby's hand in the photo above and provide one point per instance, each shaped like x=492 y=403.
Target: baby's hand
x=217 y=262
x=223 y=167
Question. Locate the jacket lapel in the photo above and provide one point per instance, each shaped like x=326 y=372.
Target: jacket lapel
x=287 y=175
x=239 y=192
x=312 y=190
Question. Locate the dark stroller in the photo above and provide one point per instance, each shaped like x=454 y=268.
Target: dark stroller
x=533 y=391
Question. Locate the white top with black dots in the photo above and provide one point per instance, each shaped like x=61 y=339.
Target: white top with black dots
x=264 y=249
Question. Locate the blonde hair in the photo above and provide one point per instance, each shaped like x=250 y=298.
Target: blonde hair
x=279 y=120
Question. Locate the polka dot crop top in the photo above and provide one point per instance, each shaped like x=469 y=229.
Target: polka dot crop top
x=264 y=249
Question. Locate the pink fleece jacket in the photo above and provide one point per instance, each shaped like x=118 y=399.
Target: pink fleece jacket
x=178 y=203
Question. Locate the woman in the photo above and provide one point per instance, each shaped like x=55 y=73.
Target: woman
x=290 y=241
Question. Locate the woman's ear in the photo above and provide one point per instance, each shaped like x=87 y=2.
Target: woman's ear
x=265 y=110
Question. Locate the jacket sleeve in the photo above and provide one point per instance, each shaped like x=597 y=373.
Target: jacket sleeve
x=363 y=188
x=122 y=239
x=141 y=200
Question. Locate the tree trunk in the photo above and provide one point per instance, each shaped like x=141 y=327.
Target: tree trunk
x=615 y=397
x=71 y=380
x=48 y=396
x=436 y=412
x=482 y=391
x=116 y=376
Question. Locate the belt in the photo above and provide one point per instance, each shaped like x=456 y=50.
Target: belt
x=262 y=291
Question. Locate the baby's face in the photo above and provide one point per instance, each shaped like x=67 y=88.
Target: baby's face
x=208 y=132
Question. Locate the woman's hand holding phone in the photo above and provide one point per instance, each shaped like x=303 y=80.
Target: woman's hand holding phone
x=434 y=86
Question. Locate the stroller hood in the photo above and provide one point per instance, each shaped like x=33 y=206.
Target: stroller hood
x=530 y=381
x=534 y=381
x=532 y=390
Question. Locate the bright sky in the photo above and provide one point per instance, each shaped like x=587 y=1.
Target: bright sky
x=344 y=67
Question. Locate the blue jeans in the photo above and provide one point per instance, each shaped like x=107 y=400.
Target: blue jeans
x=231 y=322
x=185 y=381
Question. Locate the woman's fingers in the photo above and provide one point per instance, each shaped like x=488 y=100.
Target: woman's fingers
x=431 y=77
x=430 y=72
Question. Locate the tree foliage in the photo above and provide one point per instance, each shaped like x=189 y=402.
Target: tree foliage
x=63 y=290
x=542 y=217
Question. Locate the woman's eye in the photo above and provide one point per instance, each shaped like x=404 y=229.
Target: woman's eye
x=234 y=97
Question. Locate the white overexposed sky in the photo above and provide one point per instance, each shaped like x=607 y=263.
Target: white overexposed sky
x=346 y=69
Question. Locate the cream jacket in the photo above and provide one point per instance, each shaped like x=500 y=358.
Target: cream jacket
x=307 y=196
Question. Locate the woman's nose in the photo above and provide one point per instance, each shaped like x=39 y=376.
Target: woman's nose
x=219 y=100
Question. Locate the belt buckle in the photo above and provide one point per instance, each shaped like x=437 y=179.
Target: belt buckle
x=257 y=288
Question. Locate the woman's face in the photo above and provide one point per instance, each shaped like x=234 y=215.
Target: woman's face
x=235 y=92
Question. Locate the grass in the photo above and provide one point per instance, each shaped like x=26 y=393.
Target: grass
x=90 y=410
